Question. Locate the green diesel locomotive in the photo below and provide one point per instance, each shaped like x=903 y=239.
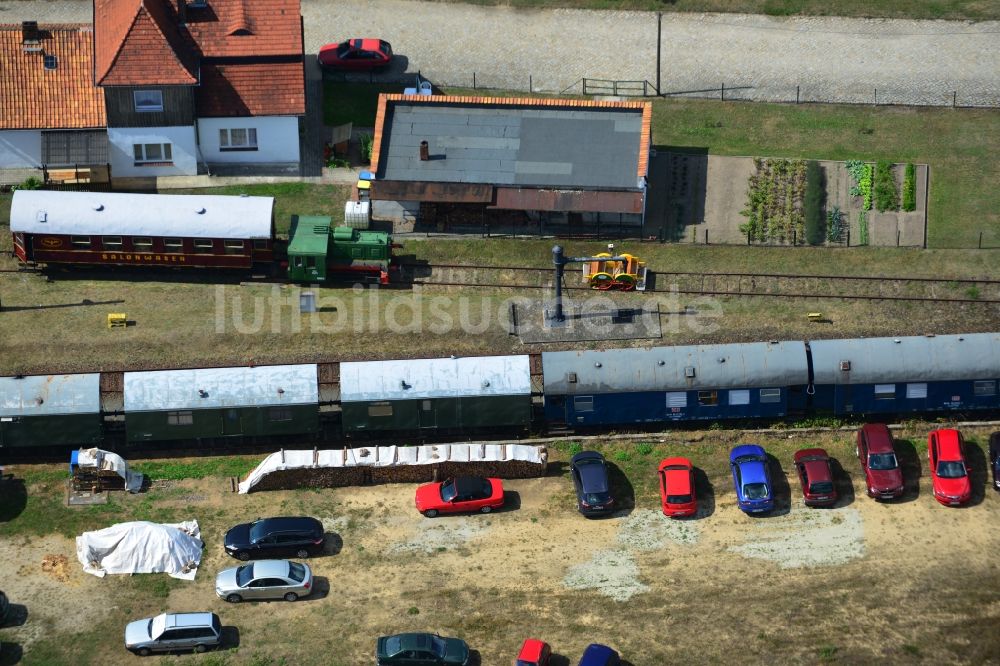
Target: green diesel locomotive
x=320 y=253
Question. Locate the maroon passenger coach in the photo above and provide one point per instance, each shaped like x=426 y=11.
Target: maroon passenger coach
x=176 y=230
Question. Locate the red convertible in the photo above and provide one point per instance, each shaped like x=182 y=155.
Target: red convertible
x=459 y=495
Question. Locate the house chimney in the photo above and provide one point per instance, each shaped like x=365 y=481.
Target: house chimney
x=31 y=39
x=424 y=151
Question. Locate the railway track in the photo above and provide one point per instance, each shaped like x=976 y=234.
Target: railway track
x=747 y=285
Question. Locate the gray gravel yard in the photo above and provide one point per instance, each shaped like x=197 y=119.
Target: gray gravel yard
x=756 y=57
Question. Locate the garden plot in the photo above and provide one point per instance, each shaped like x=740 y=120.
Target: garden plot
x=806 y=538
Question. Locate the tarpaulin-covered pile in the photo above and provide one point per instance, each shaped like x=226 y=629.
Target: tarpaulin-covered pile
x=89 y=461
x=142 y=547
x=394 y=464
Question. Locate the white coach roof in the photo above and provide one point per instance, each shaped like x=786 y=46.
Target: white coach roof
x=48 y=395
x=435 y=378
x=215 y=388
x=119 y=214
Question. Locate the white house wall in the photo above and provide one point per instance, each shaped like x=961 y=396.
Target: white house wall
x=184 y=150
x=277 y=140
x=20 y=149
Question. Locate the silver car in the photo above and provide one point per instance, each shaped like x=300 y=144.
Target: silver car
x=173 y=631
x=265 y=579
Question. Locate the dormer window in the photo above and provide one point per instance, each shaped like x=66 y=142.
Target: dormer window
x=148 y=100
x=50 y=62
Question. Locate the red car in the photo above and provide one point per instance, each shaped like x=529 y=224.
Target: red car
x=883 y=477
x=949 y=473
x=677 y=487
x=533 y=653
x=460 y=494
x=356 y=55
x=816 y=477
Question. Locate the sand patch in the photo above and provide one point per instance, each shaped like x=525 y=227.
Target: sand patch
x=806 y=538
x=613 y=573
x=646 y=529
x=433 y=535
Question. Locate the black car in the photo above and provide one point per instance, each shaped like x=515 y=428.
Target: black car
x=4 y=608
x=272 y=537
x=590 y=476
x=995 y=459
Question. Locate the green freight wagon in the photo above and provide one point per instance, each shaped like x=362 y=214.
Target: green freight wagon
x=318 y=253
x=50 y=410
x=221 y=402
x=479 y=393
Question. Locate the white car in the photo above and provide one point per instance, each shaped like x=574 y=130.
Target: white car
x=173 y=631
x=265 y=579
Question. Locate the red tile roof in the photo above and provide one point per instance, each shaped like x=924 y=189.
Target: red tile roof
x=138 y=43
x=146 y=42
x=251 y=89
x=32 y=97
x=228 y=28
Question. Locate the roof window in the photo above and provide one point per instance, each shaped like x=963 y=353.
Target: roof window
x=51 y=62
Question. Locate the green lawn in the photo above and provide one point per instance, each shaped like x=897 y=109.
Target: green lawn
x=975 y=10
x=353 y=102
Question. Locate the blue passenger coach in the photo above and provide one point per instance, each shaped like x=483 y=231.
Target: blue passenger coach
x=906 y=374
x=703 y=382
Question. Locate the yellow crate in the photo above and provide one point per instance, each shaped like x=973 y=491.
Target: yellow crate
x=814 y=316
x=116 y=319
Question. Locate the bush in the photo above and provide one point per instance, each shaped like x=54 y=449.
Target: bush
x=910 y=188
x=31 y=183
x=812 y=204
x=886 y=194
x=367 y=143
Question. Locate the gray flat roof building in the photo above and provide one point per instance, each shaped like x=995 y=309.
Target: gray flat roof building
x=518 y=147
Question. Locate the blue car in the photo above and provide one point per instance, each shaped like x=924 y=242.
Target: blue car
x=752 y=478
x=599 y=655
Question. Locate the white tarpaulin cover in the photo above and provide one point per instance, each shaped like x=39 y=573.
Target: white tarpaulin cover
x=142 y=547
x=389 y=456
x=111 y=461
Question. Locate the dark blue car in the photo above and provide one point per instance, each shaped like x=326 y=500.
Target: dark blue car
x=752 y=478
x=599 y=655
x=590 y=478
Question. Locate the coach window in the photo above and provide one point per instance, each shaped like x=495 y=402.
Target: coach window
x=80 y=241
x=180 y=418
x=142 y=243
x=916 y=391
x=383 y=409
x=111 y=242
x=260 y=244
x=739 y=397
x=583 y=403
x=885 y=391
x=173 y=245
x=234 y=247
x=280 y=414
x=677 y=398
x=770 y=395
x=984 y=387
x=708 y=398
x=203 y=245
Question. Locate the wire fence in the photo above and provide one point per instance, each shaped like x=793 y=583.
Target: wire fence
x=954 y=96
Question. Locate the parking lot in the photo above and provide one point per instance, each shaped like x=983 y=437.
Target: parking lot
x=858 y=583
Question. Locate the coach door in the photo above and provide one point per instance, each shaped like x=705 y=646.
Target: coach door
x=231 y=422
x=21 y=248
